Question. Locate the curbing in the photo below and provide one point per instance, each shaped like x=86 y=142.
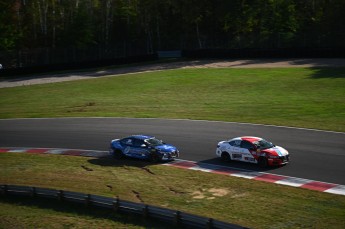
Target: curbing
x=261 y=176
x=204 y=167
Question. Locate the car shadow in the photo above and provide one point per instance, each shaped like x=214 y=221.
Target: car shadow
x=238 y=165
x=139 y=163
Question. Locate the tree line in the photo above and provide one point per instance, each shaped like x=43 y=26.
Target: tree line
x=145 y=26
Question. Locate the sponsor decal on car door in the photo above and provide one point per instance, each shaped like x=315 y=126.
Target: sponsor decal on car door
x=127 y=151
x=246 y=149
x=137 y=150
x=126 y=144
x=236 y=153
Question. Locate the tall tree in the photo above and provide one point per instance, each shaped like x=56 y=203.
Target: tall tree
x=11 y=31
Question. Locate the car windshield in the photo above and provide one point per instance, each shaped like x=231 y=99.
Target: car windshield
x=263 y=144
x=154 y=141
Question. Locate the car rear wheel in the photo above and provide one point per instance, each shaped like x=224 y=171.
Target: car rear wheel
x=225 y=157
x=118 y=154
x=263 y=163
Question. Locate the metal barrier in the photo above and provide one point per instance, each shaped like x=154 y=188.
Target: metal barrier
x=170 y=54
x=178 y=218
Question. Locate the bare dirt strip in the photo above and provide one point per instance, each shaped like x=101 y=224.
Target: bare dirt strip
x=106 y=72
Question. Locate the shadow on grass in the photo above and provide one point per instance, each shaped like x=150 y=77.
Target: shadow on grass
x=78 y=210
x=330 y=73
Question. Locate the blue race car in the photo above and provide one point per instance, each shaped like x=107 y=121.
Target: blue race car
x=143 y=147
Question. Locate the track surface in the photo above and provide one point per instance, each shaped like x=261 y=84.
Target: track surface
x=315 y=155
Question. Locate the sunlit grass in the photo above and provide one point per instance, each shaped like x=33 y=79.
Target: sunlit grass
x=312 y=98
x=218 y=196
x=20 y=212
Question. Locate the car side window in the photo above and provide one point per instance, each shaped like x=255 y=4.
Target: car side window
x=127 y=141
x=138 y=142
x=247 y=145
x=235 y=143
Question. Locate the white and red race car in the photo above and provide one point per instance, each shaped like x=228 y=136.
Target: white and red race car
x=253 y=150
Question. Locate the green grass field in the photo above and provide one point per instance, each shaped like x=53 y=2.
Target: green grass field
x=253 y=204
x=300 y=97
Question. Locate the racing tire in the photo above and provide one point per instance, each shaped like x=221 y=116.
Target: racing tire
x=263 y=163
x=154 y=158
x=118 y=154
x=225 y=157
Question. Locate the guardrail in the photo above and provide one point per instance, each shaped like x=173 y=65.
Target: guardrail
x=180 y=219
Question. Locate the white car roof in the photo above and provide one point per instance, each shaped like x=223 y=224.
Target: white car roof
x=244 y=137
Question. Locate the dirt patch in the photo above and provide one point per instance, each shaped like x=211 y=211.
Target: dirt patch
x=267 y=63
x=198 y=195
x=210 y=194
x=218 y=191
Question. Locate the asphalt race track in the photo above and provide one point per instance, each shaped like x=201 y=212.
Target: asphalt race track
x=316 y=155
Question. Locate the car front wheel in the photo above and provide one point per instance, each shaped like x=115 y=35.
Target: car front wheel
x=154 y=158
x=225 y=157
x=263 y=163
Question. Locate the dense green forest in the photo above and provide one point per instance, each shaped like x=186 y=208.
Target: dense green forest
x=113 y=28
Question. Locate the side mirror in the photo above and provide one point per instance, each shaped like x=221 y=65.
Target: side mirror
x=143 y=146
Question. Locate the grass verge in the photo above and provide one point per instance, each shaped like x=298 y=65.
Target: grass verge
x=301 y=97
x=21 y=212
x=252 y=204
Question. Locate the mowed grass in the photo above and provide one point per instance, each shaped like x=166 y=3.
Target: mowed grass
x=253 y=204
x=20 y=212
x=299 y=97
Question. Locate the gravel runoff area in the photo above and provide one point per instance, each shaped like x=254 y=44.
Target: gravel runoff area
x=106 y=72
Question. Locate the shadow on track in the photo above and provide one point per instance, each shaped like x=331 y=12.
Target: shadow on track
x=238 y=165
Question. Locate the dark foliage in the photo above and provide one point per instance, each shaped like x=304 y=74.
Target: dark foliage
x=38 y=32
